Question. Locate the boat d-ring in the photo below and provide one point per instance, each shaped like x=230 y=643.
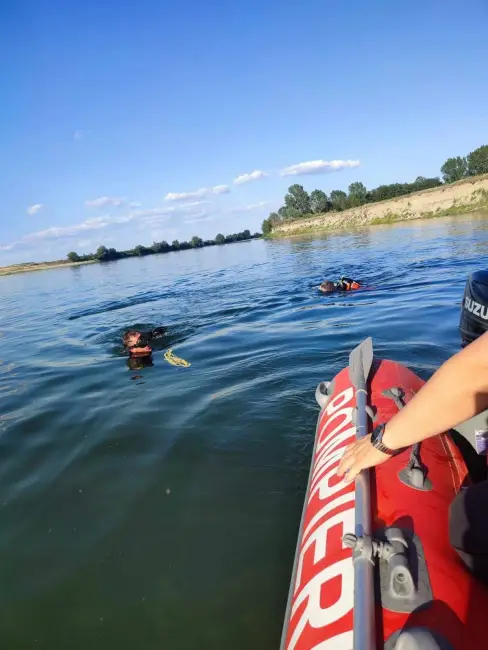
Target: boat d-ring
x=324 y=392
x=415 y=473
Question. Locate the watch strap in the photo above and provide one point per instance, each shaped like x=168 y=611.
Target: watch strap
x=377 y=441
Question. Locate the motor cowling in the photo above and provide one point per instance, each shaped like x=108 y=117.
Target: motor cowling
x=474 y=310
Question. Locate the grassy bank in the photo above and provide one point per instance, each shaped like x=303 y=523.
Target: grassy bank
x=468 y=195
x=39 y=266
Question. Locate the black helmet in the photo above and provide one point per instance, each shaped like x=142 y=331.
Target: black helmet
x=474 y=310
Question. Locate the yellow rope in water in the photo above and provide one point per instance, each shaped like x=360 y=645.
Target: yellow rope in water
x=175 y=361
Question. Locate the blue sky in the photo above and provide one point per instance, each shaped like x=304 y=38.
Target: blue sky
x=111 y=109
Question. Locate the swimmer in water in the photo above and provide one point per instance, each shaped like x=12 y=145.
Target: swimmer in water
x=137 y=343
x=344 y=284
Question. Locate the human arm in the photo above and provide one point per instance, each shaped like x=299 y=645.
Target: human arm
x=456 y=392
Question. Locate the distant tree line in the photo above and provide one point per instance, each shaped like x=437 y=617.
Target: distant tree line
x=299 y=204
x=104 y=254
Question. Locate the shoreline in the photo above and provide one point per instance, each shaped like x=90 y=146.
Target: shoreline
x=25 y=267
x=39 y=266
x=463 y=197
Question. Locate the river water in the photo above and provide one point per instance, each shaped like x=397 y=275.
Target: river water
x=161 y=513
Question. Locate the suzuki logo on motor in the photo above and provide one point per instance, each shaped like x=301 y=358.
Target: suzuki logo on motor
x=475 y=308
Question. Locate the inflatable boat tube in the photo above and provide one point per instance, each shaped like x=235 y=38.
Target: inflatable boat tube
x=374 y=568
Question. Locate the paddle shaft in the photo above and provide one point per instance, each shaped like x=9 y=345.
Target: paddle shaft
x=364 y=609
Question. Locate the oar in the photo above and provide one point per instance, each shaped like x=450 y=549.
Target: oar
x=360 y=362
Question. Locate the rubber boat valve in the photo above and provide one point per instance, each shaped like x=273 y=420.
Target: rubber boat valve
x=394 y=551
x=415 y=473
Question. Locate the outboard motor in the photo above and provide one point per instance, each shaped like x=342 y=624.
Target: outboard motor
x=474 y=310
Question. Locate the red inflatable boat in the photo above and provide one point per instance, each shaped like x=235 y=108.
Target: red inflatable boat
x=374 y=568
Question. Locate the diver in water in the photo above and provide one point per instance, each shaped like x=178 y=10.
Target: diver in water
x=344 y=284
x=138 y=345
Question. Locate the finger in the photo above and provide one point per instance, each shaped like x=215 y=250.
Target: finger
x=350 y=452
x=352 y=472
x=347 y=461
x=351 y=446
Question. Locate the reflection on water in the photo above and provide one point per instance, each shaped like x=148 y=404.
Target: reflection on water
x=166 y=517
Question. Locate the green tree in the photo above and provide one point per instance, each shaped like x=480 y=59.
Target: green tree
x=319 y=203
x=73 y=257
x=266 y=227
x=175 y=244
x=140 y=250
x=338 y=198
x=196 y=242
x=220 y=239
x=293 y=213
x=281 y=214
x=160 y=247
x=478 y=161
x=357 y=194
x=297 y=199
x=421 y=183
x=275 y=218
x=246 y=234
x=101 y=253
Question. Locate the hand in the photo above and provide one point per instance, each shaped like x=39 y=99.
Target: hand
x=141 y=352
x=359 y=455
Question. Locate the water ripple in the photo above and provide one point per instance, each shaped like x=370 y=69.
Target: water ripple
x=127 y=504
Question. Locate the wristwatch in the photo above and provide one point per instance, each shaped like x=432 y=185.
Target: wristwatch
x=377 y=441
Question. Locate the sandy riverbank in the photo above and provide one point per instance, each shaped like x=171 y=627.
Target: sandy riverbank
x=38 y=266
x=468 y=195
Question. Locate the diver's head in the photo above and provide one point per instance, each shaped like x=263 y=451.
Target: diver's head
x=132 y=339
x=474 y=309
x=327 y=287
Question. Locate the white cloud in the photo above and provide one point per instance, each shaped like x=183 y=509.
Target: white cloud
x=149 y=218
x=34 y=209
x=106 y=201
x=204 y=191
x=252 y=176
x=219 y=189
x=59 y=232
x=202 y=218
x=318 y=167
x=154 y=219
x=141 y=214
x=251 y=206
x=165 y=212
x=184 y=196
